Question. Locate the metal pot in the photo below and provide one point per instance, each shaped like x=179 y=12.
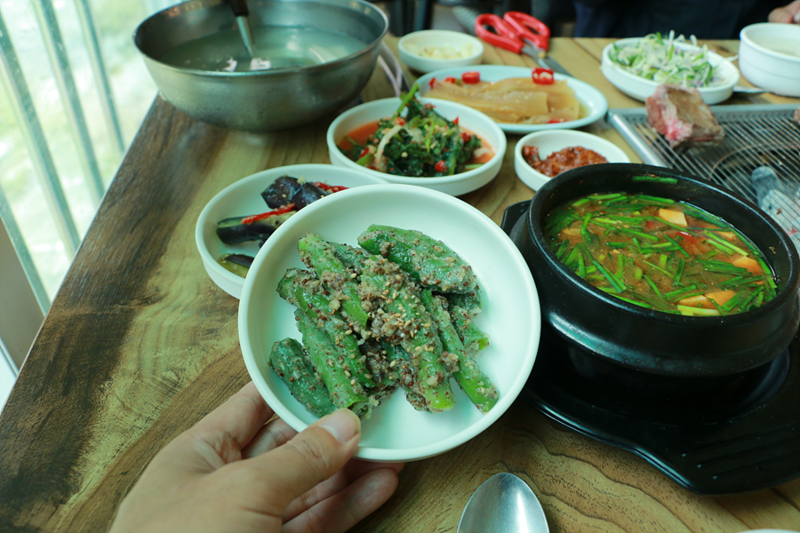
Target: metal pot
x=262 y=100
x=609 y=331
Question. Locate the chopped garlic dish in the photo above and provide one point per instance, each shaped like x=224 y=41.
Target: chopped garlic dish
x=441 y=52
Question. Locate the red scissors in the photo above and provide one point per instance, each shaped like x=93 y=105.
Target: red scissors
x=516 y=31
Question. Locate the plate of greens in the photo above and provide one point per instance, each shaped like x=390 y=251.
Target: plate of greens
x=422 y=379
x=637 y=66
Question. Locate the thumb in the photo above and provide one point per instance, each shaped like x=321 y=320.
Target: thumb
x=311 y=457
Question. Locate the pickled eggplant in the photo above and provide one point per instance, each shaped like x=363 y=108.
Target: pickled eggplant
x=280 y=191
x=235 y=230
x=306 y=194
x=239 y=264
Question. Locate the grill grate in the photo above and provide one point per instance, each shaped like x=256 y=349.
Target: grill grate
x=755 y=136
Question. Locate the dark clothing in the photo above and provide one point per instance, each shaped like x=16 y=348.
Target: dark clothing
x=705 y=19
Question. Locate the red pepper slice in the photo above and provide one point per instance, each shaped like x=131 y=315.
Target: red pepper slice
x=440 y=166
x=334 y=188
x=471 y=77
x=362 y=154
x=465 y=137
x=400 y=121
x=433 y=80
x=455 y=121
x=555 y=121
x=450 y=79
x=543 y=76
x=280 y=211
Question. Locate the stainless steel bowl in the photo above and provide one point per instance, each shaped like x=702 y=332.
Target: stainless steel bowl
x=261 y=100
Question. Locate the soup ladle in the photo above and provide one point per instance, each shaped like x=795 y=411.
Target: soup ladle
x=241 y=13
x=504 y=503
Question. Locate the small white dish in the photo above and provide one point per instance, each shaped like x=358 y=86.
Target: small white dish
x=593 y=104
x=243 y=198
x=553 y=141
x=510 y=315
x=641 y=88
x=468 y=118
x=461 y=48
x=769 y=57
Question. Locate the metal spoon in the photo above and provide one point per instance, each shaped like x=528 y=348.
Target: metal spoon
x=747 y=90
x=241 y=13
x=504 y=503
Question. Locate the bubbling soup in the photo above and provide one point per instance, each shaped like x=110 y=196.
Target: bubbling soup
x=660 y=253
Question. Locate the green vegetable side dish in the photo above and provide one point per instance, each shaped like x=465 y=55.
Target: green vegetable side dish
x=370 y=325
x=419 y=144
x=659 y=253
x=668 y=60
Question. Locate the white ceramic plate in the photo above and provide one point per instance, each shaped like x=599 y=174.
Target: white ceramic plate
x=410 y=45
x=244 y=198
x=511 y=314
x=641 y=88
x=553 y=141
x=458 y=184
x=593 y=102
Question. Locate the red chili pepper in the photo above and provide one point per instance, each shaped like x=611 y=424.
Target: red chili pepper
x=440 y=166
x=279 y=211
x=543 y=76
x=399 y=121
x=465 y=137
x=555 y=121
x=471 y=77
x=334 y=188
x=433 y=80
x=365 y=152
x=455 y=121
x=450 y=79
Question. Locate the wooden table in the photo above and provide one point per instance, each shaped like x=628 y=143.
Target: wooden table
x=140 y=344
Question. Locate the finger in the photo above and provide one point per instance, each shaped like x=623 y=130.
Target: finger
x=274 y=434
x=345 y=477
x=322 y=491
x=357 y=468
x=349 y=506
x=313 y=456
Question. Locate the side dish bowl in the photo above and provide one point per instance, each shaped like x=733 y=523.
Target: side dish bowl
x=467 y=50
x=648 y=341
x=769 y=57
x=594 y=105
x=510 y=315
x=470 y=119
x=243 y=198
x=553 y=141
x=641 y=88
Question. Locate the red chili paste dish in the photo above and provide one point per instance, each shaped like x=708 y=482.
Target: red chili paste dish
x=562 y=160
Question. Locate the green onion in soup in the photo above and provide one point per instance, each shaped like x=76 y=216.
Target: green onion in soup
x=660 y=253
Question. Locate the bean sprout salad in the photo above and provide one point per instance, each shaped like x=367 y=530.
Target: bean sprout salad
x=668 y=60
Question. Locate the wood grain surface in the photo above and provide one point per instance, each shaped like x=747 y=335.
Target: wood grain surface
x=139 y=344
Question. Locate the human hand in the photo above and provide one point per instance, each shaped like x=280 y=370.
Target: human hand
x=788 y=14
x=232 y=473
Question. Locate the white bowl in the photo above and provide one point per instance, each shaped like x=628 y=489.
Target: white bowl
x=510 y=315
x=593 y=103
x=641 y=88
x=244 y=198
x=769 y=57
x=410 y=46
x=468 y=118
x=553 y=141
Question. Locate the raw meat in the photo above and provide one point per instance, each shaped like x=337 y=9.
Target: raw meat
x=680 y=114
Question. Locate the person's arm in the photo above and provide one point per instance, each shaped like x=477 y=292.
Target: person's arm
x=232 y=473
x=789 y=14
